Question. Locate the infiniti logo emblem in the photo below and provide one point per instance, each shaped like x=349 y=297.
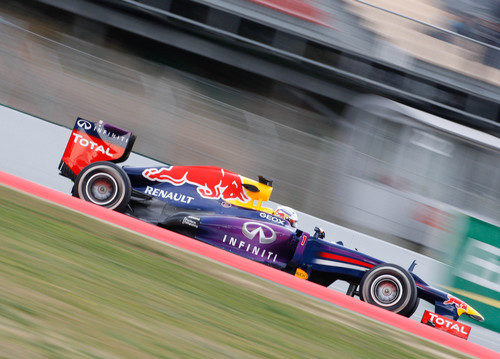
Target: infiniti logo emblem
x=266 y=234
x=86 y=125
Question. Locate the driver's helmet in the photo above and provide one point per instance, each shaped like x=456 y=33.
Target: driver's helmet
x=288 y=214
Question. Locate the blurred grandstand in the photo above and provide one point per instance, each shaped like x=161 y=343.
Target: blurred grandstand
x=457 y=35
x=332 y=49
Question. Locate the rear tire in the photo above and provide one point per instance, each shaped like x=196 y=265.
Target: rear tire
x=390 y=287
x=104 y=184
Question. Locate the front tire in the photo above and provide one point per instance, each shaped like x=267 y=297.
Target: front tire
x=104 y=184
x=390 y=287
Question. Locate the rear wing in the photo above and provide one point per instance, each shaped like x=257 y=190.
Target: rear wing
x=91 y=142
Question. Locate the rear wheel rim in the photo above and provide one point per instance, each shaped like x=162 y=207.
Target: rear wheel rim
x=101 y=189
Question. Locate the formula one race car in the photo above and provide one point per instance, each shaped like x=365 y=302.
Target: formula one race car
x=226 y=210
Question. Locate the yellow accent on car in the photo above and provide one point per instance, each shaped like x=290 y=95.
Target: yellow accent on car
x=256 y=198
x=301 y=273
x=474 y=314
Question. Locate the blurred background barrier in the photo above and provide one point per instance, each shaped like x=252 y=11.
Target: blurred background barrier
x=409 y=173
x=476 y=267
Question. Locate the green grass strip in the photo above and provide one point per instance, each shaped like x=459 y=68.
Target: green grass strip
x=74 y=287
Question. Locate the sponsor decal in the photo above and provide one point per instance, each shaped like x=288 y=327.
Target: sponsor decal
x=304 y=239
x=225 y=204
x=177 y=197
x=266 y=234
x=84 y=142
x=272 y=218
x=249 y=247
x=459 y=304
x=211 y=182
x=191 y=221
x=102 y=130
x=446 y=324
x=301 y=273
x=86 y=125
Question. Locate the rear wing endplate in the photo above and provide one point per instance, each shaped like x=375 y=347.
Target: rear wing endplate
x=91 y=142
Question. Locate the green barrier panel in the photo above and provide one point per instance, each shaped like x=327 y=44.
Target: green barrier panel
x=476 y=270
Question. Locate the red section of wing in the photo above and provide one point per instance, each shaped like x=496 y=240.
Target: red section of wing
x=448 y=325
x=83 y=149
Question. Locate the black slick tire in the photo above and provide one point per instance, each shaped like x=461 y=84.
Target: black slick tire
x=391 y=287
x=104 y=184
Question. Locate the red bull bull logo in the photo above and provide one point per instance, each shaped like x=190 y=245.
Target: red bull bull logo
x=211 y=182
x=459 y=304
